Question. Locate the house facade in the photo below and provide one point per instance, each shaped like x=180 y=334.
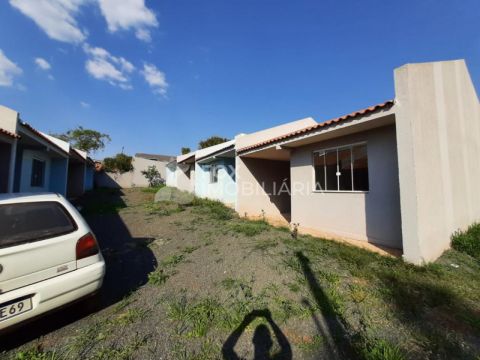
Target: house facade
x=36 y=162
x=215 y=173
x=400 y=174
x=185 y=172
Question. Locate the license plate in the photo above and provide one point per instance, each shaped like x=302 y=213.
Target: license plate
x=15 y=308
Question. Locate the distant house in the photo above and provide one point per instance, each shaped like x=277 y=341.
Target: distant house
x=215 y=173
x=35 y=162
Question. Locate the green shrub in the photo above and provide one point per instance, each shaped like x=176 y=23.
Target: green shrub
x=468 y=241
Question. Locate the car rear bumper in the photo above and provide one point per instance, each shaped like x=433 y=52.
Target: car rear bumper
x=55 y=292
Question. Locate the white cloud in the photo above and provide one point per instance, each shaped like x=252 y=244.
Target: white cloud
x=42 y=63
x=8 y=70
x=131 y=14
x=84 y=104
x=55 y=17
x=155 y=78
x=104 y=66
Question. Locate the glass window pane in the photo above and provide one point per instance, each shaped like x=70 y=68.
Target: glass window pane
x=331 y=169
x=38 y=173
x=345 y=169
x=28 y=222
x=360 y=168
x=319 y=166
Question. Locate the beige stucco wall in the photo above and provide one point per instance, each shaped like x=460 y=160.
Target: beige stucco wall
x=255 y=179
x=438 y=136
x=8 y=119
x=372 y=216
x=184 y=182
x=141 y=164
x=244 y=140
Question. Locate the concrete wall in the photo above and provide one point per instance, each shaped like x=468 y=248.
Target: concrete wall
x=26 y=171
x=185 y=182
x=58 y=176
x=372 y=216
x=224 y=189
x=8 y=119
x=243 y=140
x=113 y=180
x=255 y=187
x=438 y=137
x=171 y=175
x=141 y=164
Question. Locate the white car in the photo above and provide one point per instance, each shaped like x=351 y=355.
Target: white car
x=49 y=257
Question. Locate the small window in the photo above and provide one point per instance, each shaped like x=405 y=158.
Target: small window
x=30 y=222
x=341 y=169
x=38 y=173
x=213 y=173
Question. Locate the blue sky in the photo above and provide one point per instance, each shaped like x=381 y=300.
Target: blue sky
x=159 y=75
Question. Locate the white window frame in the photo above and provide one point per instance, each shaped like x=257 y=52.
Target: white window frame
x=338 y=148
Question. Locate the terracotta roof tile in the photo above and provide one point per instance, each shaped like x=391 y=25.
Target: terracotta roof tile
x=8 y=133
x=385 y=105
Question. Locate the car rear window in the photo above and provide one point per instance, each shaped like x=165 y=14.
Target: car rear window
x=28 y=222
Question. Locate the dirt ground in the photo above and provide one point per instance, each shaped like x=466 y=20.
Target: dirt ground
x=197 y=282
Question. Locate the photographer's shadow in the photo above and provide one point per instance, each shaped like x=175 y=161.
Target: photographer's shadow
x=262 y=339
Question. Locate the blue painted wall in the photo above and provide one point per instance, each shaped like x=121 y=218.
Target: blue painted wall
x=89 y=172
x=58 y=176
x=224 y=189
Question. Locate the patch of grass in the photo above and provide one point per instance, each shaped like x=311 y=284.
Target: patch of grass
x=158 y=277
x=214 y=209
x=265 y=245
x=153 y=189
x=130 y=316
x=382 y=350
x=249 y=227
x=123 y=352
x=190 y=249
x=173 y=260
x=468 y=241
x=163 y=208
x=36 y=353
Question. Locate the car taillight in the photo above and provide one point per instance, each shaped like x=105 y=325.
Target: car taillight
x=86 y=246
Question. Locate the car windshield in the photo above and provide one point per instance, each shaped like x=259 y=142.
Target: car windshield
x=28 y=222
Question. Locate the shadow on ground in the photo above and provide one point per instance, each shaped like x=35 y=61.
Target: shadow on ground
x=262 y=339
x=128 y=260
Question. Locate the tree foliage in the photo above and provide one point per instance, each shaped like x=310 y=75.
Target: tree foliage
x=153 y=176
x=212 y=140
x=185 y=150
x=119 y=163
x=85 y=139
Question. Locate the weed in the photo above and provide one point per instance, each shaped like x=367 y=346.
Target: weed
x=152 y=189
x=163 y=208
x=468 y=241
x=312 y=344
x=130 y=316
x=158 y=277
x=382 y=350
x=266 y=245
x=249 y=227
x=215 y=209
x=173 y=260
x=36 y=353
x=121 y=352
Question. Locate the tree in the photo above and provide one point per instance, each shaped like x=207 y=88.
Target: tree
x=212 y=140
x=119 y=163
x=153 y=176
x=185 y=150
x=85 y=139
